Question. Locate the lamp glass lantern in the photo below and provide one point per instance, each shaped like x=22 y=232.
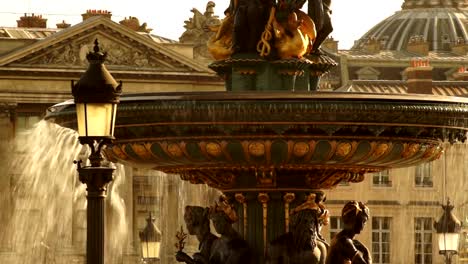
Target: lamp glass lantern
x=448 y=231
x=96 y=97
x=96 y=119
x=150 y=240
x=448 y=242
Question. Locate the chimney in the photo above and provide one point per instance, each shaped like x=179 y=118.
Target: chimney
x=331 y=45
x=93 y=12
x=372 y=45
x=461 y=75
x=460 y=47
x=63 y=25
x=131 y=22
x=32 y=21
x=418 y=45
x=419 y=77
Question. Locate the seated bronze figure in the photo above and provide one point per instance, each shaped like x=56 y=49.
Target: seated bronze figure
x=198 y=224
x=303 y=244
x=344 y=248
x=230 y=248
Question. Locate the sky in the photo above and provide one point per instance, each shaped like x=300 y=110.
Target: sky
x=351 y=18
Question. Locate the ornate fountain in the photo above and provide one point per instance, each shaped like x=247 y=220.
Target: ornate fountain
x=272 y=139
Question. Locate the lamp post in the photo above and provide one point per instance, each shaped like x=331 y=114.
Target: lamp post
x=150 y=241
x=448 y=233
x=96 y=97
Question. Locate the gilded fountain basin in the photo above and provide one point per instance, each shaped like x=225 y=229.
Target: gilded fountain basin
x=282 y=140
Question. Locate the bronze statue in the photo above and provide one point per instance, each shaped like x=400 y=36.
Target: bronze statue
x=230 y=248
x=249 y=18
x=303 y=244
x=344 y=248
x=320 y=12
x=198 y=224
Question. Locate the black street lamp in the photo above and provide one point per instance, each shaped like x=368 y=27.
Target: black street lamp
x=448 y=233
x=96 y=97
x=150 y=240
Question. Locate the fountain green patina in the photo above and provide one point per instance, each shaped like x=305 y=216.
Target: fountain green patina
x=285 y=141
x=269 y=143
x=268 y=151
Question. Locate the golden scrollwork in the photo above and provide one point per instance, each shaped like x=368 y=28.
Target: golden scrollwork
x=343 y=149
x=433 y=152
x=257 y=149
x=174 y=150
x=380 y=150
x=263 y=198
x=240 y=198
x=213 y=149
x=301 y=149
x=142 y=150
x=117 y=151
x=288 y=198
x=410 y=149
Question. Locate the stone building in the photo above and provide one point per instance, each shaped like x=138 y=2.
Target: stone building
x=37 y=65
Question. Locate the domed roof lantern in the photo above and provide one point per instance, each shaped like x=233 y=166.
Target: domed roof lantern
x=440 y=24
x=411 y=4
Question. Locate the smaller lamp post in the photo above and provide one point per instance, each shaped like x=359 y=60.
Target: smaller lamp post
x=150 y=240
x=448 y=233
x=96 y=97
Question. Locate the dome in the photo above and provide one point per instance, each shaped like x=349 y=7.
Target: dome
x=439 y=23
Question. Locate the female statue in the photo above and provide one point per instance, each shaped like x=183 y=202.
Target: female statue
x=320 y=12
x=344 y=248
x=303 y=244
x=230 y=248
x=198 y=224
x=250 y=17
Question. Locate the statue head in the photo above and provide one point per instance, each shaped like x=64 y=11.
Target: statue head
x=196 y=219
x=223 y=215
x=355 y=215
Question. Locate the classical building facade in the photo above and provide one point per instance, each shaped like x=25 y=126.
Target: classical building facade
x=421 y=49
x=37 y=65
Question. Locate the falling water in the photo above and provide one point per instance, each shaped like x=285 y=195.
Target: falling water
x=171 y=195
x=46 y=210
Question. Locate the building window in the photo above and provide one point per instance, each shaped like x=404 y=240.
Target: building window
x=423 y=240
x=147 y=200
x=343 y=183
x=382 y=178
x=381 y=240
x=336 y=225
x=423 y=175
x=26 y=121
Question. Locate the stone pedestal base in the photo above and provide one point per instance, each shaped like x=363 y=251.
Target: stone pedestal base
x=248 y=72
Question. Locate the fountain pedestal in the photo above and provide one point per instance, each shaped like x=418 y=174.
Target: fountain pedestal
x=247 y=72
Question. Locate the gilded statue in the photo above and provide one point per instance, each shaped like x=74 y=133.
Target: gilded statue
x=271 y=28
x=198 y=224
x=220 y=44
x=303 y=244
x=345 y=249
x=230 y=248
x=294 y=30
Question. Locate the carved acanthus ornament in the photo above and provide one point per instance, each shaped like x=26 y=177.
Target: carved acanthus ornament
x=73 y=54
